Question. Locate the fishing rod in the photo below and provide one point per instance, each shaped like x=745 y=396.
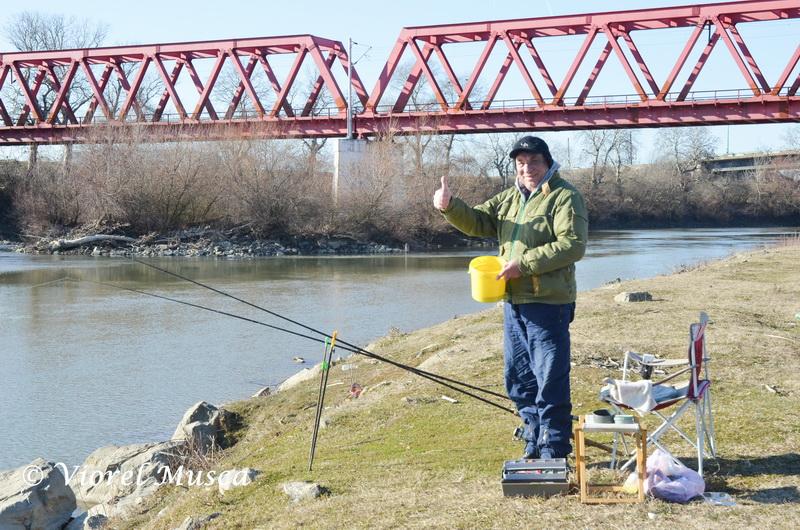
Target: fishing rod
x=347 y=346
x=327 y=355
x=436 y=378
x=422 y=373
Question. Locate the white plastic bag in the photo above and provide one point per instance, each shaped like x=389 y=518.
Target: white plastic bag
x=718 y=498
x=670 y=480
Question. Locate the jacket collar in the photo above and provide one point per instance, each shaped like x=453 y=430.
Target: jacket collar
x=544 y=185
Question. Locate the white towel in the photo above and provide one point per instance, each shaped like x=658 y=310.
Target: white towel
x=637 y=395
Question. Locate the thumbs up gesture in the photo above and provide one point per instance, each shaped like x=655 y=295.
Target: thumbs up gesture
x=441 y=198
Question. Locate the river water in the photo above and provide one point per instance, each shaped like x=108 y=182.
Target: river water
x=84 y=365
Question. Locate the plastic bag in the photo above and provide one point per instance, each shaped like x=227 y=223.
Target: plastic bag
x=716 y=498
x=670 y=480
x=631 y=484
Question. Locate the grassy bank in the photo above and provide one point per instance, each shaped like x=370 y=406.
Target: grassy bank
x=400 y=456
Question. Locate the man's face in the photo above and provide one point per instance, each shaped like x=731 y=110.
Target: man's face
x=531 y=169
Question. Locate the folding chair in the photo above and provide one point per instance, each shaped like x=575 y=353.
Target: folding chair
x=696 y=392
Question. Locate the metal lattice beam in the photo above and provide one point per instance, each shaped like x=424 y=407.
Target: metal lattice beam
x=544 y=102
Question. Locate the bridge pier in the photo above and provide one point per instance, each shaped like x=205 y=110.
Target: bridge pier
x=348 y=156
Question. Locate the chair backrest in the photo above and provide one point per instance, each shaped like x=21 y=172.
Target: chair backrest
x=697 y=354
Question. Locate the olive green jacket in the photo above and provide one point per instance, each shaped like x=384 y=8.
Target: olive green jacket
x=546 y=233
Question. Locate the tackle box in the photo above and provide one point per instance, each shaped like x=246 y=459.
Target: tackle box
x=535 y=477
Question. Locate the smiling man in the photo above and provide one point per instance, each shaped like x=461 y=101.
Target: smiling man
x=541 y=226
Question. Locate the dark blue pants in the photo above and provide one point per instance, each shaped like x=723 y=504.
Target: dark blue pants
x=536 y=341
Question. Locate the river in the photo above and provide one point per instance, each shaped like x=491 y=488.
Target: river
x=84 y=365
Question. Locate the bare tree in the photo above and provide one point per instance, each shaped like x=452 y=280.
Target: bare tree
x=791 y=137
x=496 y=149
x=150 y=87
x=420 y=99
x=264 y=188
x=324 y=100
x=438 y=147
x=596 y=147
x=623 y=154
x=229 y=83
x=684 y=149
x=33 y=31
x=467 y=157
x=607 y=150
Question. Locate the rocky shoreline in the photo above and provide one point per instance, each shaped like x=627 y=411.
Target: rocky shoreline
x=207 y=242
x=115 y=481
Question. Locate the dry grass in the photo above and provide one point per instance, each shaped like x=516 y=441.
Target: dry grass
x=400 y=456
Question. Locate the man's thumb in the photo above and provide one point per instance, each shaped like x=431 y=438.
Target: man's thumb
x=444 y=183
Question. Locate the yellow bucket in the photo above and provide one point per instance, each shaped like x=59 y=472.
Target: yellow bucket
x=482 y=271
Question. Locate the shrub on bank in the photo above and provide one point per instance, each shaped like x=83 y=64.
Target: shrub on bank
x=45 y=196
x=7 y=222
x=151 y=187
x=276 y=190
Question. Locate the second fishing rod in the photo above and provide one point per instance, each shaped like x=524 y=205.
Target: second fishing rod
x=346 y=346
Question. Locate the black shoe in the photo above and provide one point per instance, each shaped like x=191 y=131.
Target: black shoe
x=545 y=453
x=519 y=433
x=531 y=451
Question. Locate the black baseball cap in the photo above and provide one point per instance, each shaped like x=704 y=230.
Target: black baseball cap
x=531 y=144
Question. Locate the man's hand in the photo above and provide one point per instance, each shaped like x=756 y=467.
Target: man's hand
x=510 y=271
x=441 y=198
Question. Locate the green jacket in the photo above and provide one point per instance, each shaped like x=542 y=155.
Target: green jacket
x=546 y=233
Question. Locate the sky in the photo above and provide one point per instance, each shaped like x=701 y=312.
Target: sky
x=375 y=26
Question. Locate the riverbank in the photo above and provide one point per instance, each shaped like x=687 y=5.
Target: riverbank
x=117 y=241
x=401 y=456
x=240 y=243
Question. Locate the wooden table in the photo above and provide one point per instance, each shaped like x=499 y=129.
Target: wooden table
x=640 y=437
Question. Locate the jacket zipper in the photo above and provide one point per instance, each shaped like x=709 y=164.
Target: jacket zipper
x=514 y=233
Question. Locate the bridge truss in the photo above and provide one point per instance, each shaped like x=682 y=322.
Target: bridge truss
x=76 y=95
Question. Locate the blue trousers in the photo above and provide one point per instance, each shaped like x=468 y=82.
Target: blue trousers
x=537 y=366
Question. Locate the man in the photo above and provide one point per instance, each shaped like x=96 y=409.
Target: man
x=541 y=226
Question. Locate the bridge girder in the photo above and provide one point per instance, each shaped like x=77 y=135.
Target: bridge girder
x=547 y=104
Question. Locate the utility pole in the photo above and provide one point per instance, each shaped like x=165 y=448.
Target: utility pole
x=350 y=89
x=569 y=155
x=349 y=150
x=728 y=148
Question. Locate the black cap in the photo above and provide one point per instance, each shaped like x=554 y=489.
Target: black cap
x=531 y=144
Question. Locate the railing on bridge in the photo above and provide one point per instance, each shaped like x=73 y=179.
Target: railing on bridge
x=80 y=81
x=431 y=108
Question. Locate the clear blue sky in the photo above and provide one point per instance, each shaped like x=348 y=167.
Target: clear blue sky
x=377 y=24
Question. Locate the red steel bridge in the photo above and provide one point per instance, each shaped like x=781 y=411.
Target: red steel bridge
x=66 y=96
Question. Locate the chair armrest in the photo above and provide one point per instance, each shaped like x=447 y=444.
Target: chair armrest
x=673 y=376
x=670 y=362
x=648 y=359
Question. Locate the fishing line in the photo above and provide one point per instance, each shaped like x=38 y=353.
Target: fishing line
x=348 y=346
x=62 y=279
x=422 y=373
